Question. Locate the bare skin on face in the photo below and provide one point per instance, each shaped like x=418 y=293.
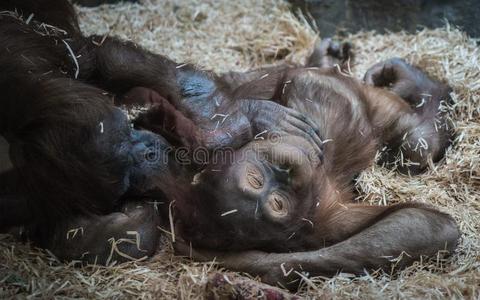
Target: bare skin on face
x=265 y=183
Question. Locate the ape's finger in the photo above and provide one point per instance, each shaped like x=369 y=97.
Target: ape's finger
x=347 y=51
x=308 y=129
x=306 y=132
x=334 y=49
x=322 y=47
x=303 y=118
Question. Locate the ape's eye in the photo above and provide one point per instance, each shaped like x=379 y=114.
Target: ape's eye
x=254 y=177
x=277 y=205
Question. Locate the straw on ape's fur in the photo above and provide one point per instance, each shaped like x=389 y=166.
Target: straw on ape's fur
x=228 y=35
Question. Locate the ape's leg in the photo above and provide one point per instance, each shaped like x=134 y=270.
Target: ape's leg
x=165 y=119
x=407 y=232
x=122 y=236
x=415 y=129
x=234 y=80
x=328 y=54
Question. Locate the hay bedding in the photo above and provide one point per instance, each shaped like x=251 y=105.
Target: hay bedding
x=236 y=35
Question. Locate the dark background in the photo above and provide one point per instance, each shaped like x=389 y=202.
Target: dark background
x=343 y=16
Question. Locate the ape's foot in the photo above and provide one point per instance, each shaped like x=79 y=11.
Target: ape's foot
x=117 y=237
x=328 y=53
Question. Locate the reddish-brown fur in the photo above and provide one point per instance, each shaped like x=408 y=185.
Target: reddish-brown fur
x=234 y=206
x=303 y=206
x=356 y=120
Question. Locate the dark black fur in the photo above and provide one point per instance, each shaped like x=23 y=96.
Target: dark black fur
x=73 y=152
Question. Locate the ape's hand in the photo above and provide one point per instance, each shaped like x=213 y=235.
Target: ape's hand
x=165 y=119
x=162 y=118
x=267 y=117
x=328 y=53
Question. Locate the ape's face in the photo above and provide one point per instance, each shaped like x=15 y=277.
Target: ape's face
x=137 y=155
x=261 y=200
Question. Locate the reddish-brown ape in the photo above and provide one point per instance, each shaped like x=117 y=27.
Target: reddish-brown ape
x=274 y=196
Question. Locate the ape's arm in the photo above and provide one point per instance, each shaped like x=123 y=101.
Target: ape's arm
x=164 y=119
x=199 y=95
x=409 y=232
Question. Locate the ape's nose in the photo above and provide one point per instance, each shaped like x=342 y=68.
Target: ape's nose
x=147 y=146
x=147 y=138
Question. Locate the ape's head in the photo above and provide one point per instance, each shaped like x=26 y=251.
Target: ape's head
x=138 y=158
x=262 y=197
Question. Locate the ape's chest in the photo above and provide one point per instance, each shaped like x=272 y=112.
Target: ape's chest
x=331 y=107
x=5 y=162
x=325 y=97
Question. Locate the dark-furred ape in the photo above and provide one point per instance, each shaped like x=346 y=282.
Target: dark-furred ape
x=79 y=179
x=74 y=158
